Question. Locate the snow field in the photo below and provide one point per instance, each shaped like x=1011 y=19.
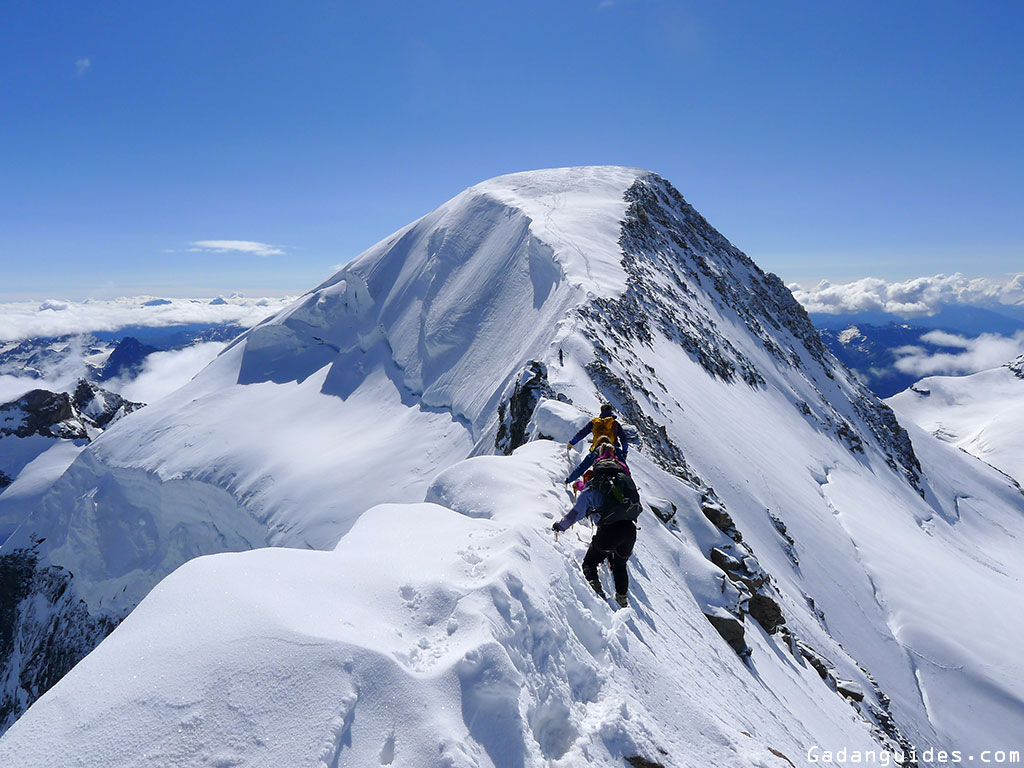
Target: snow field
x=477 y=644
x=981 y=413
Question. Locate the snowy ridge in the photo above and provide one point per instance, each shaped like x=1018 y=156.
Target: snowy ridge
x=485 y=648
x=788 y=510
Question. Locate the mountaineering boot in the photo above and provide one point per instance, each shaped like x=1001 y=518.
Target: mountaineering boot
x=596 y=586
x=622 y=600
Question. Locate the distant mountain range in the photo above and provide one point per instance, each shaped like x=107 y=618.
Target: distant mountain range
x=868 y=342
x=961 y=319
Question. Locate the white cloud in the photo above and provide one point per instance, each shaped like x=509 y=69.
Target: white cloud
x=29 y=319
x=82 y=66
x=56 y=374
x=909 y=298
x=236 y=246
x=164 y=372
x=987 y=351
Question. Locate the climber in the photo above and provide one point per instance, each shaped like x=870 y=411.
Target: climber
x=604 y=427
x=613 y=497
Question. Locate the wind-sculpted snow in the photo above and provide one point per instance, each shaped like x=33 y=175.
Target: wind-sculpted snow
x=867 y=576
x=480 y=645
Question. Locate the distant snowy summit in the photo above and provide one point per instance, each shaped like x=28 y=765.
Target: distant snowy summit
x=408 y=415
x=982 y=413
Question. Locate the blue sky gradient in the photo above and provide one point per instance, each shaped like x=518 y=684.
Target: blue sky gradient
x=826 y=139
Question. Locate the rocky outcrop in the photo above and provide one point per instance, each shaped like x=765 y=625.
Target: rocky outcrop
x=731 y=629
x=636 y=761
x=42 y=624
x=788 y=544
x=99 y=406
x=719 y=518
x=80 y=414
x=669 y=252
x=514 y=413
x=41 y=412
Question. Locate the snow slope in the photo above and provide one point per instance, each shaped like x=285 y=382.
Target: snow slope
x=982 y=413
x=872 y=573
x=484 y=648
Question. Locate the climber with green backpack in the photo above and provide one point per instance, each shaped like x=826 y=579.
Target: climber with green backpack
x=613 y=498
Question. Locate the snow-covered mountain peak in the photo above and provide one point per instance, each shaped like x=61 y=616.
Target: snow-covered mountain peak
x=493 y=275
x=577 y=212
x=782 y=497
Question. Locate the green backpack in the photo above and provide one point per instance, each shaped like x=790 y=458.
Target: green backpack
x=620 y=499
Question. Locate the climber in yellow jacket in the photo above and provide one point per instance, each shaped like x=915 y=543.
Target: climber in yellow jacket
x=603 y=428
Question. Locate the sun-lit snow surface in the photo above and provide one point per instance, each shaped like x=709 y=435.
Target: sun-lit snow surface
x=982 y=413
x=356 y=394
x=393 y=370
x=480 y=644
x=43 y=463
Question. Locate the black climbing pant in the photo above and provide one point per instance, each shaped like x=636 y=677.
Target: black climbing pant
x=614 y=542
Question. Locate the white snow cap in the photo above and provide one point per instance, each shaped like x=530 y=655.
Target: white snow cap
x=578 y=212
x=448 y=627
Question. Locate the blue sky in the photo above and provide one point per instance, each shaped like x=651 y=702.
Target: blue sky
x=826 y=139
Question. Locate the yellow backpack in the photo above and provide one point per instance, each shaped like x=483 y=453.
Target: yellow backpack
x=604 y=426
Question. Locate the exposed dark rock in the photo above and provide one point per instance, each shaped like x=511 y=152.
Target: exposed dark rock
x=721 y=519
x=514 y=414
x=732 y=631
x=788 y=545
x=63 y=415
x=767 y=612
x=43 y=624
x=663 y=509
x=741 y=567
x=41 y=412
x=819 y=614
x=724 y=560
x=5 y=480
x=788 y=638
x=1017 y=366
x=100 y=406
x=821 y=665
x=668 y=249
x=892 y=437
x=780 y=755
x=642 y=762
x=850 y=690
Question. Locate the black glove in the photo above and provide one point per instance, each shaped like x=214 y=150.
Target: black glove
x=555 y=528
